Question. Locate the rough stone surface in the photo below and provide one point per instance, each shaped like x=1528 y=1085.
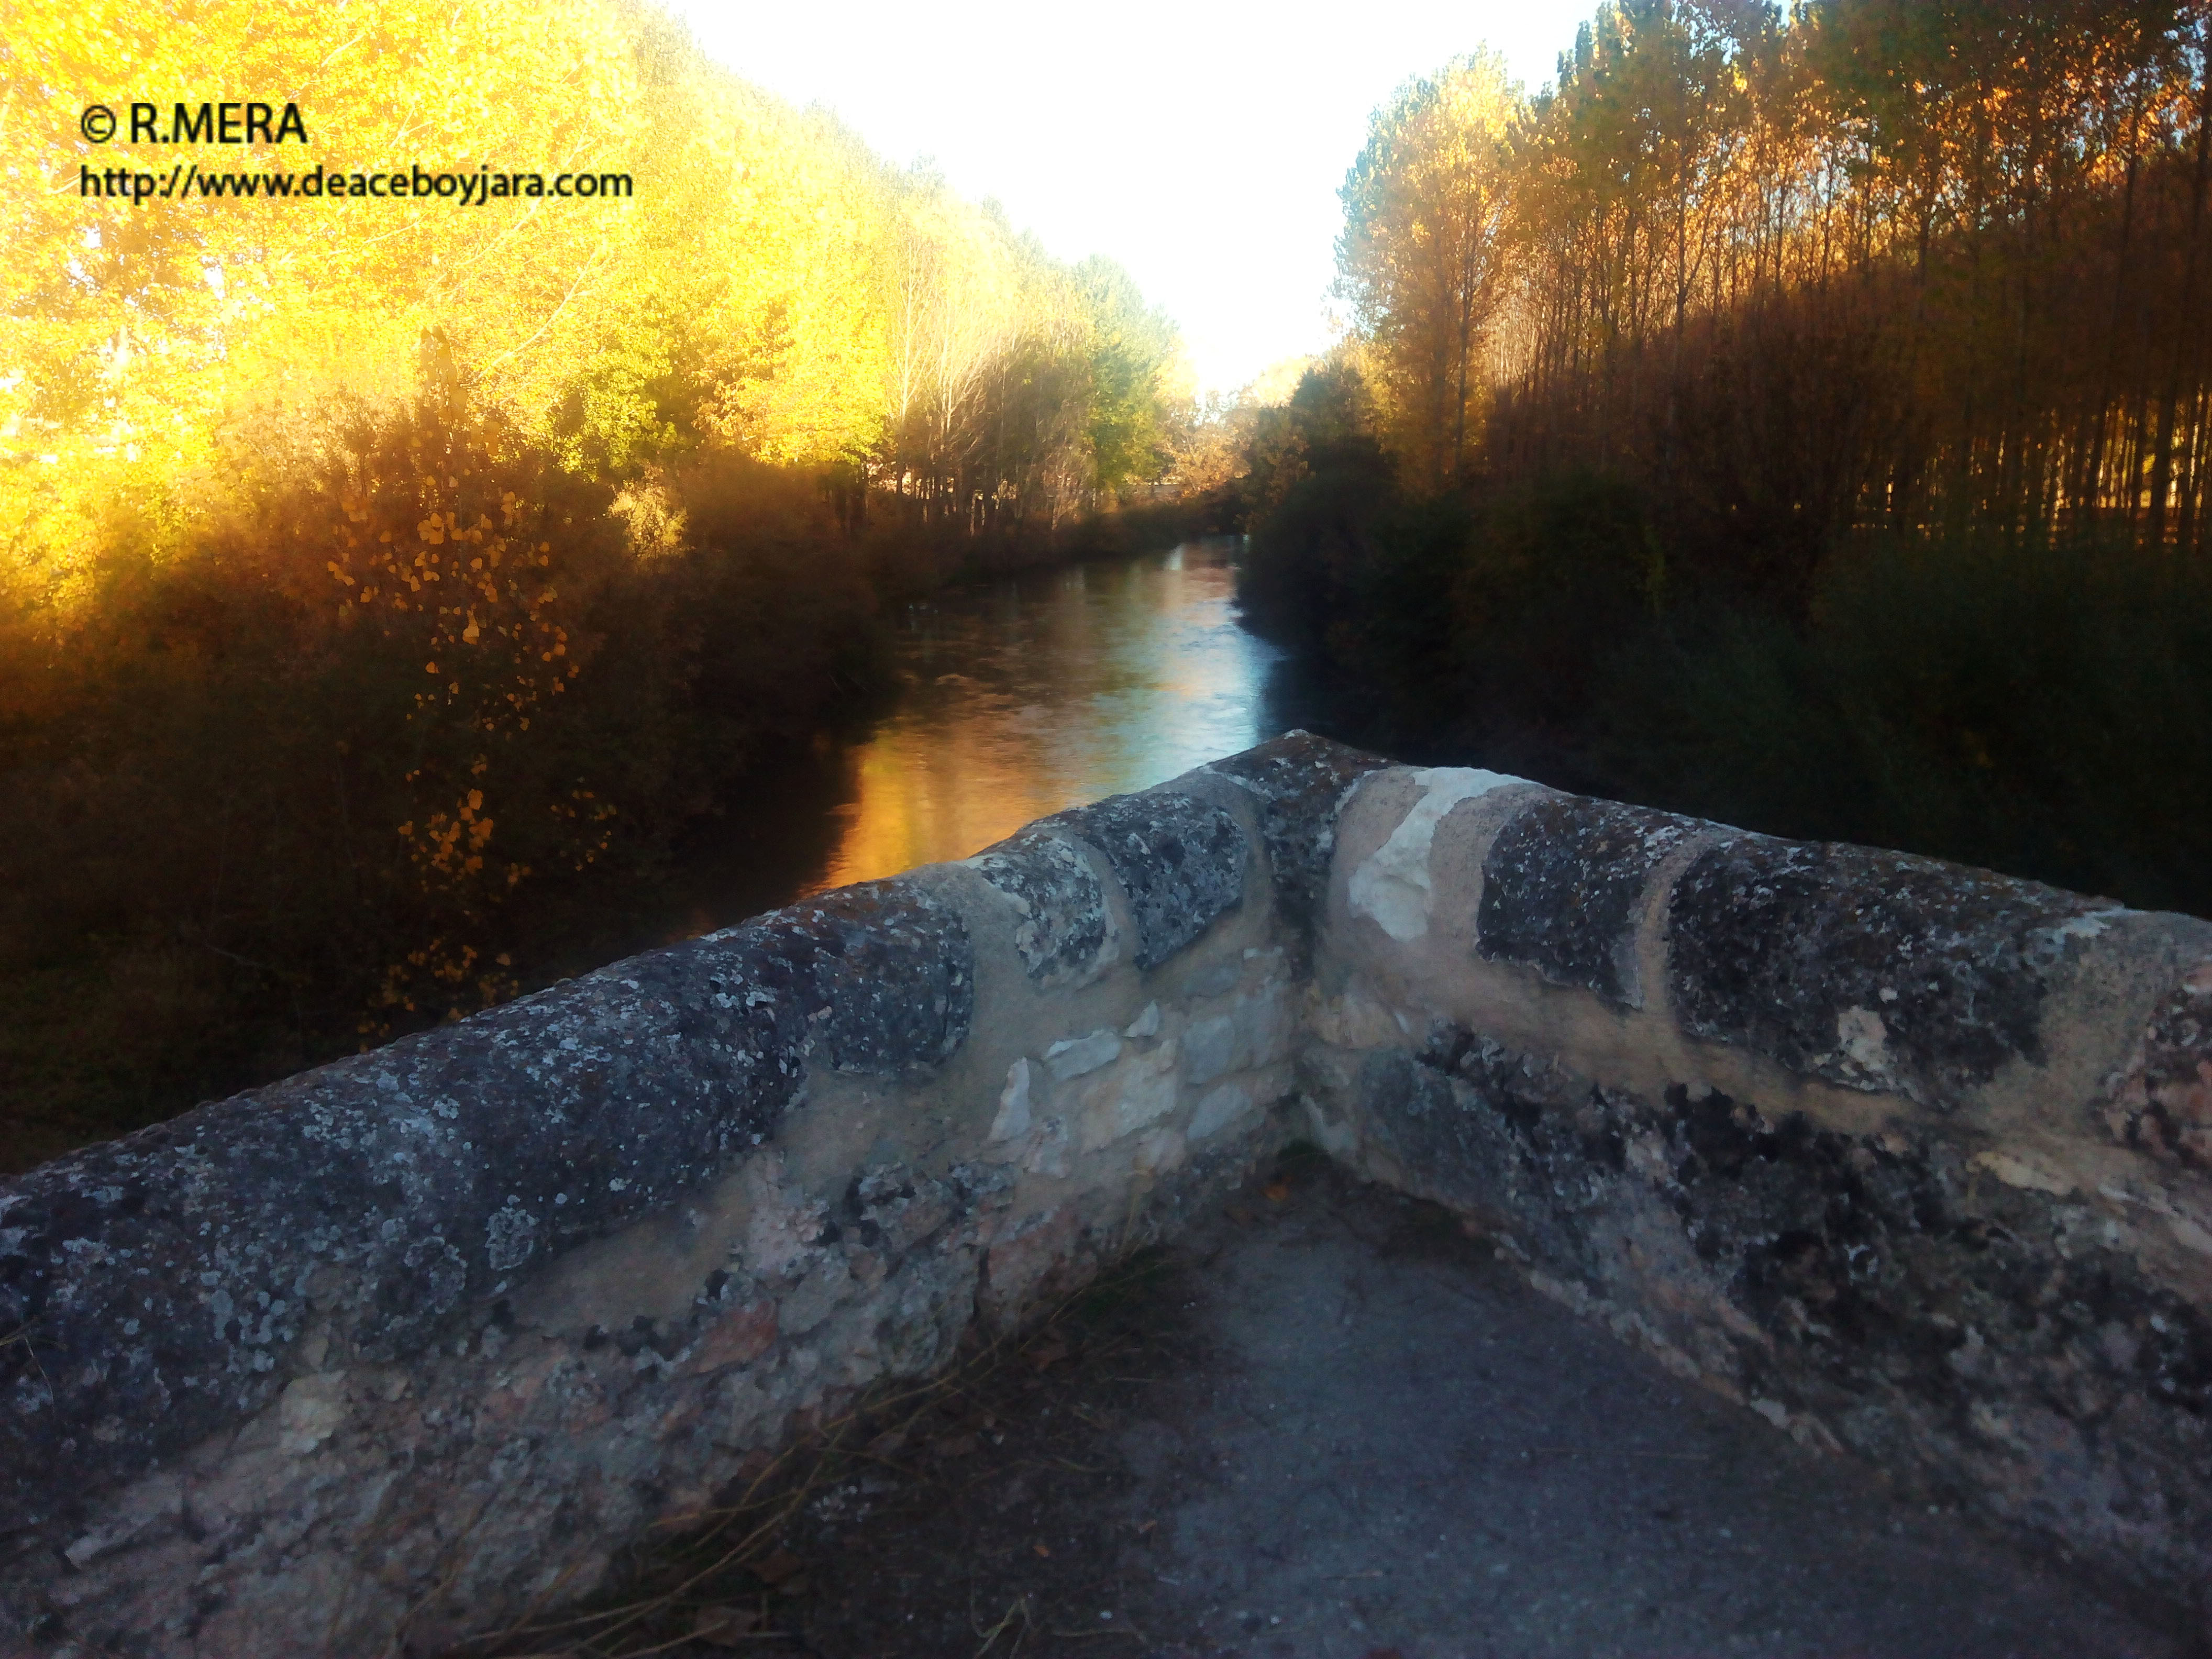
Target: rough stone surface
x=1256 y=1030
x=1981 y=1342
x=1562 y=887
x=157 y=1286
x=493 y=1470
x=413 y=1341
x=1179 y=860
x=1136 y=1092
x=1073 y=1056
x=1300 y=781
x=2162 y=1105
x=1065 y=933
x=408 y=1341
x=1873 y=970
x=883 y=973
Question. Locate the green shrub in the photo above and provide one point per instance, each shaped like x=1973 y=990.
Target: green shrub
x=2043 y=710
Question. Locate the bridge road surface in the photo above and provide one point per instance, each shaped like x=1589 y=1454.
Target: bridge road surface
x=1371 y=1440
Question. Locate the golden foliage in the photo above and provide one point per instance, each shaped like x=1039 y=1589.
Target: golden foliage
x=316 y=515
x=766 y=283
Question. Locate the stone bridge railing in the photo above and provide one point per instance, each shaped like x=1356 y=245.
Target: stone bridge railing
x=1909 y=1159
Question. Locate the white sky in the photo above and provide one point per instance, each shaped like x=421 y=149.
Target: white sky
x=1201 y=143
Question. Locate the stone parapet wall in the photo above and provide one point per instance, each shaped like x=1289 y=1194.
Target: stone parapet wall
x=1910 y=1159
x=383 y=1354
x=1914 y=1160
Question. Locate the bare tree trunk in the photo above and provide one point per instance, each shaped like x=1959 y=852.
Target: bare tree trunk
x=2161 y=468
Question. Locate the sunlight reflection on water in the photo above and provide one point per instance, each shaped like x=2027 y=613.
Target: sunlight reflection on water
x=1045 y=692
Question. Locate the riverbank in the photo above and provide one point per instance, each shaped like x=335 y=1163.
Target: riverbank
x=2037 y=704
x=274 y=801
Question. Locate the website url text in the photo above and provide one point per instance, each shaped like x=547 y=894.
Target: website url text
x=465 y=189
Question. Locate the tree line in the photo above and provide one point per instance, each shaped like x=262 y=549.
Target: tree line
x=388 y=588
x=1888 y=264
x=767 y=286
x=1801 y=420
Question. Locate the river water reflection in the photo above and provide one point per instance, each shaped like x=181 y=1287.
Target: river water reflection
x=1046 y=691
x=1035 y=693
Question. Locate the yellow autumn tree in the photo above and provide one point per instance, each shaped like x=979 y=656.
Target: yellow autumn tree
x=144 y=338
x=1421 y=254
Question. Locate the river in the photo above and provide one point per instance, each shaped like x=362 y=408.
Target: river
x=1034 y=693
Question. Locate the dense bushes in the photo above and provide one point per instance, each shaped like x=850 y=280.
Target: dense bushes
x=410 y=718
x=412 y=723
x=2039 y=705
x=2041 y=710
x=1811 y=416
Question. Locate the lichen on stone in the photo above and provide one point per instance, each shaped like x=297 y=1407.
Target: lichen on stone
x=386 y=1192
x=1181 y=861
x=1969 y=1336
x=1301 y=782
x=1873 y=970
x=1561 y=887
x=883 y=972
x=1065 y=934
x=2162 y=1105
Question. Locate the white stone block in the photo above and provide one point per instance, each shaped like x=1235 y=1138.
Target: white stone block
x=1013 y=1122
x=1272 y=1025
x=1392 y=886
x=1048 y=1152
x=310 y=1410
x=1073 y=1057
x=1139 y=1090
x=1219 y=1109
x=1160 y=1151
x=1210 y=1047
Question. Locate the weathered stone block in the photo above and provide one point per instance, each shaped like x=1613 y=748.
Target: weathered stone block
x=1219 y=1108
x=1862 y=1291
x=1135 y=1091
x=1394 y=886
x=1257 y=1031
x=1073 y=1056
x=883 y=972
x=390 y=1190
x=1561 y=891
x=1065 y=934
x=1300 y=781
x=2162 y=1105
x=1873 y=970
x=1181 y=861
x=1013 y=1122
